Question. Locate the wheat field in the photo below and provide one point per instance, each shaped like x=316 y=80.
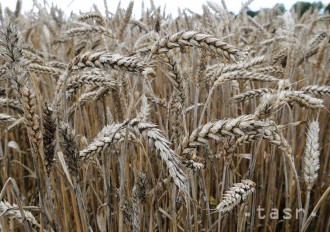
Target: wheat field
x=200 y=122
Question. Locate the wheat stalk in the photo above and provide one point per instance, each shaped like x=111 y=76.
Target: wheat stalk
x=136 y=224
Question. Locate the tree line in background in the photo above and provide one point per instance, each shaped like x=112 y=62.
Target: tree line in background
x=300 y=7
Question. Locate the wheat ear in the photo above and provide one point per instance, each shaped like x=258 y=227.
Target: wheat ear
x=68 y=144
x=270 y=106
x=193 y=38
x=317 y=90
x=161 y=144
x=105 y=60
x=110 y=134
x=250 y=94
x=41 y=69
x=236 y=195
x=242 y=75
x=32 y=119
x=92 y=15
x=93 y=78
x=178 y=98
x=230 y=132
x=86 y=29
x=12 y=211
x=311 y=162
x=126 y=20
x=49 y=140
x=218 y=69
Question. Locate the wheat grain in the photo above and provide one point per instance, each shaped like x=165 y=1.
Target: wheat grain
x=5 y=119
